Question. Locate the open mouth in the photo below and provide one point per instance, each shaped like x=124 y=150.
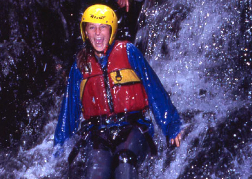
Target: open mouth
x=99 y=41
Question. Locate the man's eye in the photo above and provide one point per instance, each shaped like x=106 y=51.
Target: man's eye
x=91 y=27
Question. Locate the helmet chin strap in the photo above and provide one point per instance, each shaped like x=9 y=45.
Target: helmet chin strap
x=102 y=52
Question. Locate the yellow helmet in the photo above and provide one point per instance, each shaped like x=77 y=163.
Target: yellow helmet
x=101 y=14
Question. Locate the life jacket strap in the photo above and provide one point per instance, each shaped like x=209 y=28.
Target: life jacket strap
x=115 y=118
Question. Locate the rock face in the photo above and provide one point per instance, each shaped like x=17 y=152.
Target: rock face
x=36 y=40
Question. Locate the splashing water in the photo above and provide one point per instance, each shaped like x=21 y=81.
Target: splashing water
x=201 y=51
x=203 y=60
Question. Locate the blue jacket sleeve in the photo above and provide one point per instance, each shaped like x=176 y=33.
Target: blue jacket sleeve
x=69 y=116
x=163 y=110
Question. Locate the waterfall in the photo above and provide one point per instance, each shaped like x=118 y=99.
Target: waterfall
x=201 y=51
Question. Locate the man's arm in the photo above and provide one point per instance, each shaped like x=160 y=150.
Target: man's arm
x=164 y=111
x=123 y=3
x=69 y=116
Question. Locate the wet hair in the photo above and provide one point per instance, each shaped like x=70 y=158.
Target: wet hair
x=82 y=56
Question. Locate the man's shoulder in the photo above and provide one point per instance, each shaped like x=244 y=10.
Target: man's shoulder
x=125 y=42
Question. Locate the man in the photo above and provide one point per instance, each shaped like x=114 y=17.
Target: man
x=113 y=86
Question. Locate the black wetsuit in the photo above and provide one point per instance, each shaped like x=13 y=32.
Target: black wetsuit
x=118 y=157
x=112 y=152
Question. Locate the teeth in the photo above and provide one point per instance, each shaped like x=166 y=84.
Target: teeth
x=98 y=41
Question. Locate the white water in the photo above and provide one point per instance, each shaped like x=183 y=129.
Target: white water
x=198 y=71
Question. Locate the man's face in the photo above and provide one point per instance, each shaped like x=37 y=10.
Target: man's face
x=99 y=35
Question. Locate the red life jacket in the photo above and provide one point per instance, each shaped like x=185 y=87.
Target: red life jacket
x=127 y=92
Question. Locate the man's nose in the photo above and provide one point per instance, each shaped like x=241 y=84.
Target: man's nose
x=97 y=31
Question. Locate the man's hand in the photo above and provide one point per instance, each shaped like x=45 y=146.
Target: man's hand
x=176 y=140
x=124 y=3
